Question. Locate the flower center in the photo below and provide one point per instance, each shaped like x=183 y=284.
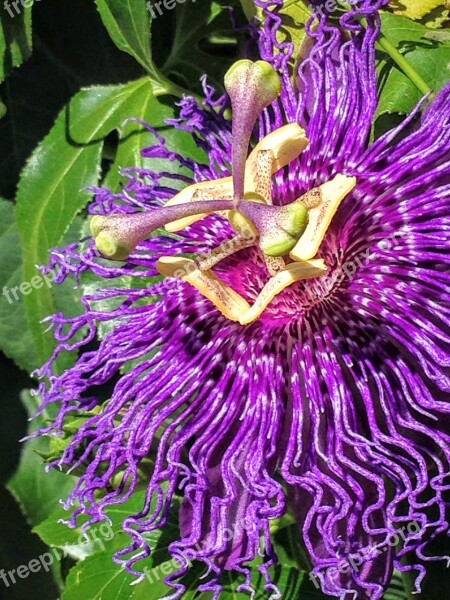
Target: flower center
x=287 y=237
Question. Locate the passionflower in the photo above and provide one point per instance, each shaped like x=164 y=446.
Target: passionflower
x=295 y=354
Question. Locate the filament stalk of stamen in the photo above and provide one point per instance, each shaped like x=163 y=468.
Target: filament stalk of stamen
x=238 y=242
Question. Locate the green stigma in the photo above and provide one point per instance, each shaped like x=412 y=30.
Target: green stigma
x=290 y=226
x=260 y=75
x=108 y=245
x=107 y=241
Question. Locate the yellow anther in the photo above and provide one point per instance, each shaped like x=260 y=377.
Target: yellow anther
x=332 y=193
x=231 y=304
x=285 y=143
x=225 y=299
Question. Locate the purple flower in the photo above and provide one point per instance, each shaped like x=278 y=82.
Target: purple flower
x=333 y=402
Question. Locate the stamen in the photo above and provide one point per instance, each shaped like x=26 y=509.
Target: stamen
x=225 y=299
x=332 y=193
x=286 y=143
x=251 y=87
x=292 y=273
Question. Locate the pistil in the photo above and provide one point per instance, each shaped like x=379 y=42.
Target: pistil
x=116 y=236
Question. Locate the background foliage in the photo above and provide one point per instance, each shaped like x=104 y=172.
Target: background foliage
x=71 y=72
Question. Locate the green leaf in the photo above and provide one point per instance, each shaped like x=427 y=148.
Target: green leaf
x=415 y=9
x=396 y=590
x=134 y=137
x=98 y=577
x=289 y=549
x=249 y=8
x=203 y=42
x=398 y=94
x=15 y=37
x=15 y=338
x=437 y=18
x=56 y=533
x=37 y=492
x=68 y=160
x=48 y=200
x=78 y=544
x=128 y=24
x=288 y=579
x=104 y=108
x=401 y=30
x=132 y=100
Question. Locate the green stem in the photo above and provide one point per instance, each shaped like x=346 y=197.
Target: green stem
x=404 y=65
x=163 y=87
x=286 y=521
x=409 y=587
